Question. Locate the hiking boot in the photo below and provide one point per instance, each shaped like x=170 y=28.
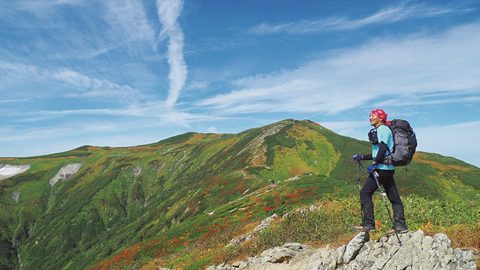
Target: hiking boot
x=361 y=228
x=396 y=231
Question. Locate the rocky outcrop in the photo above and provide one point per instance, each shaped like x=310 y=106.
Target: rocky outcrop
x=257 y=147
x=7 y=170
x=137 y=171
x=266 y=223
x=249 y=236
x=417 y=251
x=16 y=196
x=65 y=173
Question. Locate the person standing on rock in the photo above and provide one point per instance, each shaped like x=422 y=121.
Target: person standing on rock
x=382 y=141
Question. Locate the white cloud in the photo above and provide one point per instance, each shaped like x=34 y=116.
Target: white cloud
x=212 y=130
x=36 y=134
x=23 y=69
x=153 y=112
x=37 y=7
x=18 y=100
x=95 y=88
x=168 y=12
x=128 y=18
x=421 y=101
x=184 y=119
x=197 y=85
x=388 y=15
x=91 y=29
x=409 y=66
x=83 y=86
x=209 y=44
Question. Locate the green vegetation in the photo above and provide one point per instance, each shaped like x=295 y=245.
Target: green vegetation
x=181 y=200
x=330 y=224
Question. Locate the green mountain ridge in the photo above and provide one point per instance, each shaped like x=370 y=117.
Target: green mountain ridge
x=129 y=205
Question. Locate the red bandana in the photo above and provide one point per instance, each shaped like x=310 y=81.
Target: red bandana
x=380 y=114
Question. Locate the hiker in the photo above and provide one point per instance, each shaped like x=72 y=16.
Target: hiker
x=382 y=146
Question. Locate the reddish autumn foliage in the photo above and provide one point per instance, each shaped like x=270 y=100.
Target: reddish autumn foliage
x=268 y=208
x=293 y=195
x=127 y=256
x=123 y=258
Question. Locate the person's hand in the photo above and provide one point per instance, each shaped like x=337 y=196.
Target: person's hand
x=357 y=158
x=371 y=168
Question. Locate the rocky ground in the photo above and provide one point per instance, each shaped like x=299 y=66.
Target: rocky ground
x=65 y=173
x=417 y=251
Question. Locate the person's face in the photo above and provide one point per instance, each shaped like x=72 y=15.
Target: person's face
x=375 y=120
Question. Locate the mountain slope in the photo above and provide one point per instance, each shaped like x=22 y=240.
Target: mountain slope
x=133 y=204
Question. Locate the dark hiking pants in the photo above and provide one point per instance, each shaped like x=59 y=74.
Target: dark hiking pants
x=386 y=180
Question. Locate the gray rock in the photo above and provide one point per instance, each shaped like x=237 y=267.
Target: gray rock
x=282 y=254
x=249 y=236
x=323 y=258
x=265 y=223
x=137 y=171
x=339 y=254
x=354 y=246
x=418 y=252
x=16 y=196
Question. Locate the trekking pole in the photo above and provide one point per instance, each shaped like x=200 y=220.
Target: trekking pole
x=359 y=167
x=384 y=196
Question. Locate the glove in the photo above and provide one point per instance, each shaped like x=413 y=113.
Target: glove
x=357 y=158
x=371 y=168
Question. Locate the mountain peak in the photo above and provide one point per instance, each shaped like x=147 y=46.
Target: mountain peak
x=184 y=190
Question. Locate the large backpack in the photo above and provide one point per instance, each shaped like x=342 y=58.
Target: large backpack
x=405 y=143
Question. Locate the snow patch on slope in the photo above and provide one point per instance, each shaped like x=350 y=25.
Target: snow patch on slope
x=65 y=173
x=7 y=170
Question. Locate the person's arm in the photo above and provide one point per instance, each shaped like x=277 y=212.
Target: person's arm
x=381 y=153
x=362 y=157
x=367 y=157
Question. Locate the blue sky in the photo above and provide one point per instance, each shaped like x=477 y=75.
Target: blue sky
x=130 y=72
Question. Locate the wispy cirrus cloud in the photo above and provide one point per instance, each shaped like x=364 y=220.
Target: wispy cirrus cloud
x=209 y=44
x=383 y=16
x=37 y=7
x=81 y=85
x=145 y=111
x=105 y=27
x=419 y=100
x=97 y=88
x=168 y=12
x=123 y=100
x=17 y=100
x=197 y=85
x=19 y=135
x=129 y=20
x=406 y=66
